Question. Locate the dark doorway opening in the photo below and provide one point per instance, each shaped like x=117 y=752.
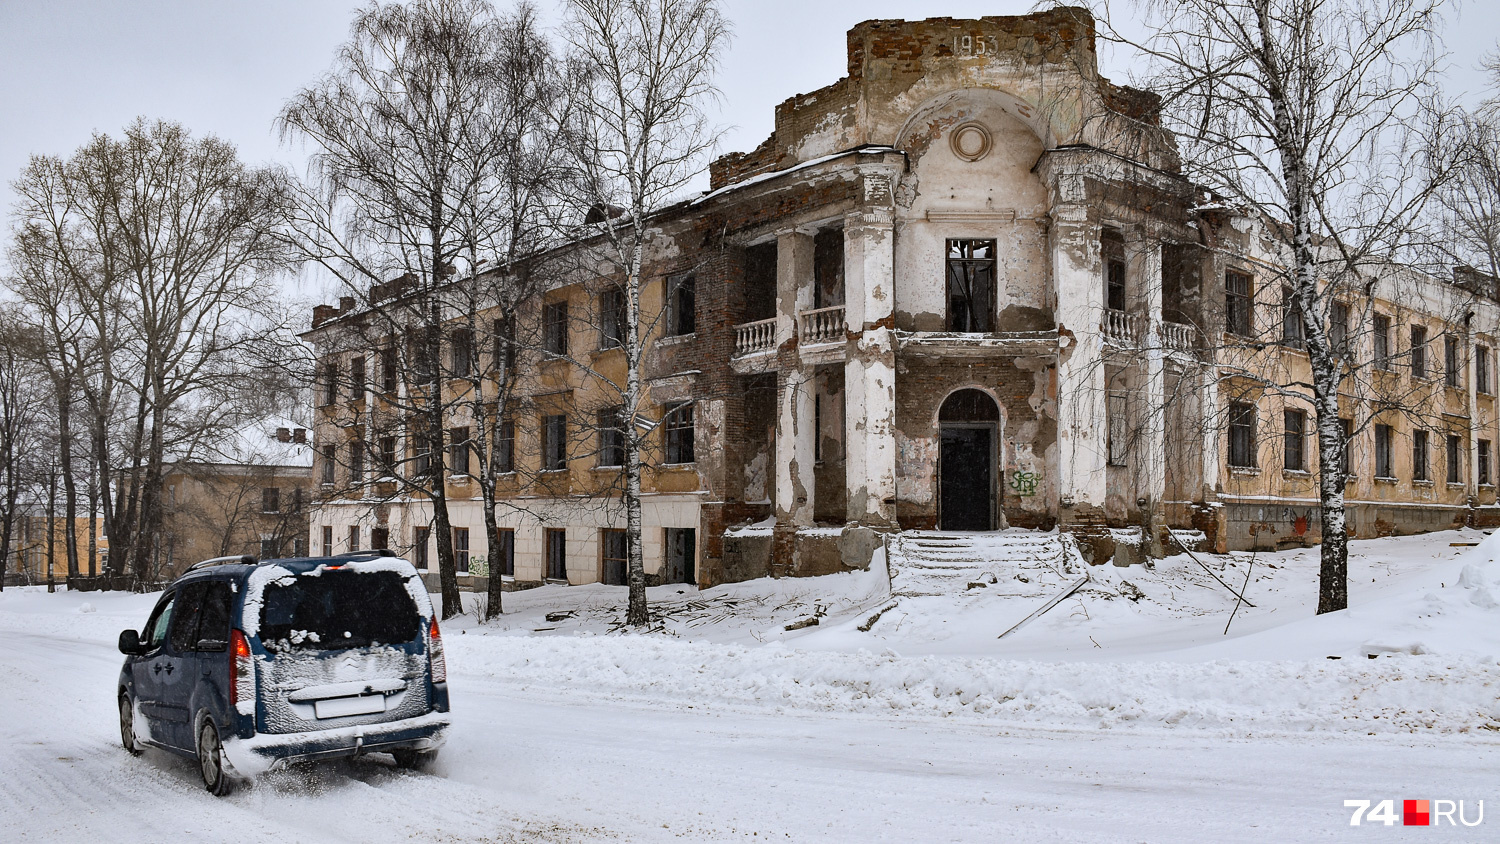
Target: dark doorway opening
x=969 y=422
x=682 y=553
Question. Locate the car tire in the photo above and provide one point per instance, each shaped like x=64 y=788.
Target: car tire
x=415 y=760
x=211 y=762
x=127 y=726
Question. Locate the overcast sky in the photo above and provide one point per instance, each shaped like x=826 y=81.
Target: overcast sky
x=72 y=67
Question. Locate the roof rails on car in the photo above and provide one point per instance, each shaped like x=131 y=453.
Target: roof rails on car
x=245 y=559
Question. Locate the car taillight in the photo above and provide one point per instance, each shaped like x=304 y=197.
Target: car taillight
x=242 y=669
x=435 y=651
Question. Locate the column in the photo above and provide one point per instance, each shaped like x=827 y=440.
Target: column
x=870 y=365
x=1081 y=387
x=795 y=437
x=1145 y=250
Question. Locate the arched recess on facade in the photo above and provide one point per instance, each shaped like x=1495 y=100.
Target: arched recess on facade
x=970 y=425
x=919 y=123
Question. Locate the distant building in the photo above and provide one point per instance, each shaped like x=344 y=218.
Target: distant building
x=248 y=496
x=31 y=559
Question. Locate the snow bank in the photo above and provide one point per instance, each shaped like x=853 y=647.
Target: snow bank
x=1391 y=694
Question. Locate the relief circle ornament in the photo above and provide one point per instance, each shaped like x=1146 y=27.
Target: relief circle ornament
x=970 y=141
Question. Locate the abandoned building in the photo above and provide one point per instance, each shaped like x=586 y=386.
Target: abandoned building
x=965 y=287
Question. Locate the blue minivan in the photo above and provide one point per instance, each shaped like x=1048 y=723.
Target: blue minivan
x=247 y=665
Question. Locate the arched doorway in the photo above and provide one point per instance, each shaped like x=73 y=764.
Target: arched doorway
x=968 y=463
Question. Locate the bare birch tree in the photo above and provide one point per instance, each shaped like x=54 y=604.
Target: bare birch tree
x=642 y=134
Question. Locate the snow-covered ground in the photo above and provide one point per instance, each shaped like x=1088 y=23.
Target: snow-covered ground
x=1123 y=714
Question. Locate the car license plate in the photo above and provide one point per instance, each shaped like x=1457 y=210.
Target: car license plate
x=340 y=707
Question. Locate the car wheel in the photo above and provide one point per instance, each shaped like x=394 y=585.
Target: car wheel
x=127 y=727
x=211 y=760
x=415 y=760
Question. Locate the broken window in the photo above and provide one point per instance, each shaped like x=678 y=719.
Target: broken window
x=461 y=549
x=1452 y=362
x=682 y=306
x=612 y=318
x=1237 y=303
x=1455 y=472
x=1294 y=452
x=1291 y=319
x=505 y=344
x=1119 y=429
x=1419 y=464
x=1242 y=435
x=554 y=442
x=611 y=437
x=679 y=433
x=330 y=382
x=1385 y=455
x=458 y=450
x=555 y=328
x=1382 y=338
x=1346 y=462
x=357 y=378
x=388 y=370
x=505 y=446
x=503 y=553
x=356 y=461
x=461 y=347
x=1112 y=249
x=971 y=285
x=1338 y=329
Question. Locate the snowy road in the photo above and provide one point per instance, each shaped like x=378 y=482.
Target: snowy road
x=575 y=764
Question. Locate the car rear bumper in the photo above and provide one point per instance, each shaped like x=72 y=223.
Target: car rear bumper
x=267 y=751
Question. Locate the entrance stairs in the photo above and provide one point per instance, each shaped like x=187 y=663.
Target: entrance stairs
x=1009 y=563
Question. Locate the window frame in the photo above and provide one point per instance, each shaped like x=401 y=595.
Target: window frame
x=1453 y=366
x=1242 y=419
x=612 y=317
x=1117 y=428
x=682 y=306
x=459 y=456
x=611 y=434
x=555 y=442
x=270 y=499
x=1482 y=377
x=966 y=271
x=1453 y=448
x=1116 y=270
x=1239 y=306
x=1293 y=332
x=1381 y=326
x=1385 y=452
x=555 y=554
x=1294 y=440
x=1418 y=351
x=1483 y=476
x=555 y=327
x=1421 y=459
x=678 y=434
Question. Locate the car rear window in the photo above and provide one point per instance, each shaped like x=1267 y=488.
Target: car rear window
x=335 y=610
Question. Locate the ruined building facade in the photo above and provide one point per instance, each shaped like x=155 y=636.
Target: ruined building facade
x=964 y=287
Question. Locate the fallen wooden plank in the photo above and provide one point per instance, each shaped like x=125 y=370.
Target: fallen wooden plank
x=1462 y=544
x=1056 y=599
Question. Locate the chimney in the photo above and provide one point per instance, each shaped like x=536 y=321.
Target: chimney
x=322 y=314
x=299 y=435
x=346 y=304
x=283 y=435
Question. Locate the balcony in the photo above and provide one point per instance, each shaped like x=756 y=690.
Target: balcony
x=1122 y=329
x=753 y=338
x=824 y=325
x=1176 y=337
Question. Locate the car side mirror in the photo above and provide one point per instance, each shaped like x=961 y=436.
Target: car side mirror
x=130 y=643
x=212 y=645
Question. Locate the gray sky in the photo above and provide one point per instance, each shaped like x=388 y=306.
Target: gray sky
x=71 y=67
